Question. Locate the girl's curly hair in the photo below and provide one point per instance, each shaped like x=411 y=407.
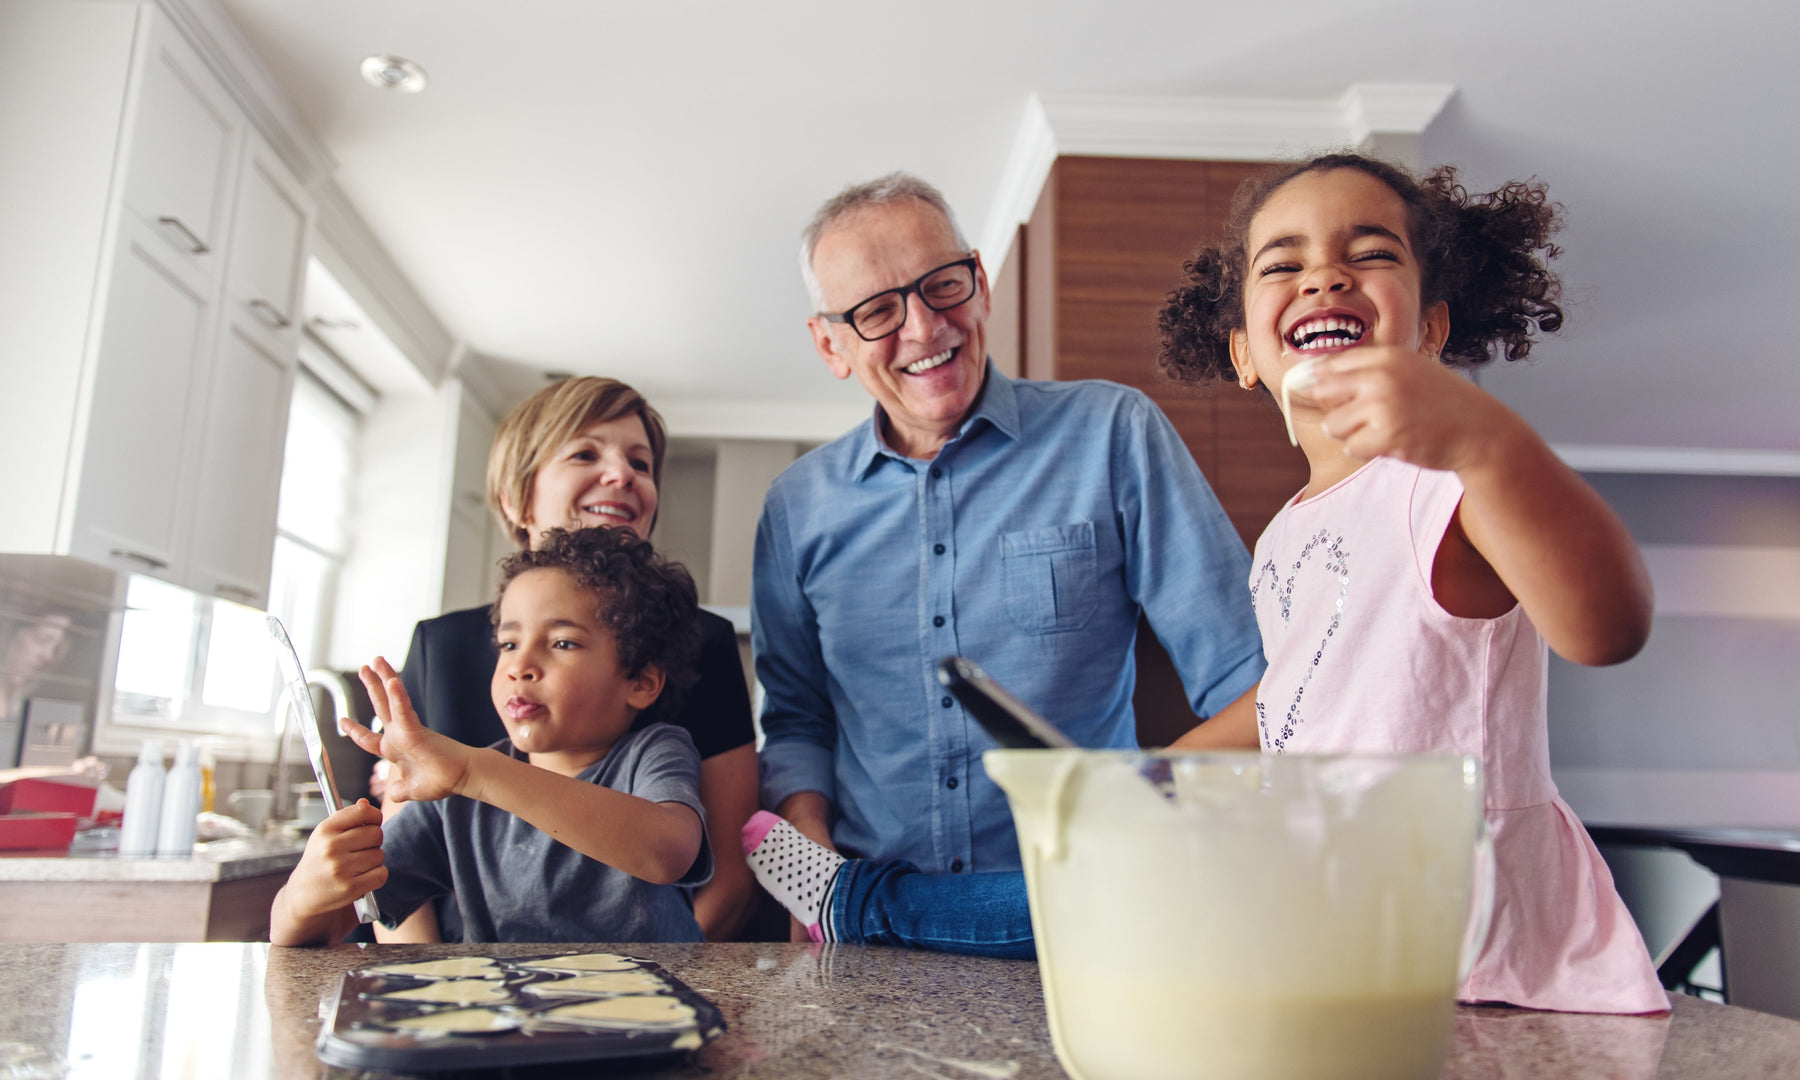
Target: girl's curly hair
x=1484 y=255
x=648 y=602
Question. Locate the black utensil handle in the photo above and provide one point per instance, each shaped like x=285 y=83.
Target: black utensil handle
x=1010 y=721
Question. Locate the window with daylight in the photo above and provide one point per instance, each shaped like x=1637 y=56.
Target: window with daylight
x=191 y=664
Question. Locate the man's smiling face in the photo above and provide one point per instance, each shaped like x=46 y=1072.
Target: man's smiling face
x=927 y=375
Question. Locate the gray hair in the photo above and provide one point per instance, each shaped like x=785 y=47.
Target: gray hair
x=880 y=191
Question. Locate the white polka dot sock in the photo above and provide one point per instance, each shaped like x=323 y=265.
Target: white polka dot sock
x=796 y=871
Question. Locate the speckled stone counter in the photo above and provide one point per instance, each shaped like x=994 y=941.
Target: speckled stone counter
x=794 y=1012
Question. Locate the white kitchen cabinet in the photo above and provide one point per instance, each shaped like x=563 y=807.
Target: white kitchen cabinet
x=267 y=271
x=239 y=470
x=183 y=134
x=157 y=446
x=244 y=430
x=157 y=331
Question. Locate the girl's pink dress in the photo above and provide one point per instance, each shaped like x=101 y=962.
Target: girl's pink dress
x=1362 y=659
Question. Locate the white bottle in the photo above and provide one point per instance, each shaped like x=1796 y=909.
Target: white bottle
x=180 y=803
x=143 y=802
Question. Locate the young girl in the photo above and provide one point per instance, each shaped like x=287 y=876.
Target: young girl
x=1407 y=594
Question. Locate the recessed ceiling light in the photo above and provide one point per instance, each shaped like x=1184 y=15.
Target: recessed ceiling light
x=393 y=73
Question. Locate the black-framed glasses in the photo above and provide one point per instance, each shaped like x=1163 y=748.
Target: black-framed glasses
x=950 y=285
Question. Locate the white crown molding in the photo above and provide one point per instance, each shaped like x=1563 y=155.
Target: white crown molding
x=349 y=250
x=1027 y=167
x=343 y=240
x=1376 y=109
x=702 y=418
x=219 y=41
x=1193 y=128
x=479 y=377
x=1677 y=460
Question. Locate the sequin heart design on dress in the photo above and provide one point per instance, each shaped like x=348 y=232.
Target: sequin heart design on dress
x=1337 y=562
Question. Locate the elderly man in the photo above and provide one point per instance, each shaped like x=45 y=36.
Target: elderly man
x=1022 y=524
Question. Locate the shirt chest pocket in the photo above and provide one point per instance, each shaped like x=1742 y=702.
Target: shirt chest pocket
x=1050 y=576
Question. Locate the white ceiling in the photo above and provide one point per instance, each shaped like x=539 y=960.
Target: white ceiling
x=617 y=188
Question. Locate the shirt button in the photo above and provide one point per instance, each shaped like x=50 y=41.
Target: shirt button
x=936 y=472
x=945 y=701
x=956 y=866
x=937 y=549
x=951 y=783
x=937 y=620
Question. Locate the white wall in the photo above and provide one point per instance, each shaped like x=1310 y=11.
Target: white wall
x=63 y=74
x=746 y=468
x=1703 y=727
x=684 y=515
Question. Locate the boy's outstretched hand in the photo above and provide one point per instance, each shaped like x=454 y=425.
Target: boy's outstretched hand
x=430 y=765
x=342 y=862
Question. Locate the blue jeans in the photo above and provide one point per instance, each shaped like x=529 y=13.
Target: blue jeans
x=895 y=903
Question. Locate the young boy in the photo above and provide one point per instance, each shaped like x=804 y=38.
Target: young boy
x=574 y=828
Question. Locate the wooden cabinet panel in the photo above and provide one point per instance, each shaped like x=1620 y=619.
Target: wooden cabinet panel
x=1124 y=228
x=1258 y=470
x=1114 y=233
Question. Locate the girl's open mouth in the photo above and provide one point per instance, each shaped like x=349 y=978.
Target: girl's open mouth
x=1326 y=332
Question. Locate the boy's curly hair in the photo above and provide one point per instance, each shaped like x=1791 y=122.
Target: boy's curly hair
x=648 y=602
x=1484 y=255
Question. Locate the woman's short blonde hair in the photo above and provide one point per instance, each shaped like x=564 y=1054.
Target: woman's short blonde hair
x=547 y=420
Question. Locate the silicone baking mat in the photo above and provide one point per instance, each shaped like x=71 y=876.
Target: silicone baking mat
x=476 y=1012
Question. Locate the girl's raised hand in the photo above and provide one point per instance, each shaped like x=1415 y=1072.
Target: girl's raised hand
x=1390 y=401
x=430 y=765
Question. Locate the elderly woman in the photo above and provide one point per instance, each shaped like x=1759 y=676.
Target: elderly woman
x=580 y=453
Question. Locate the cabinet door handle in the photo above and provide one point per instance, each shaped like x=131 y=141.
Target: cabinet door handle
x=269 y=316
x=154 y=564
x=235 y=592
x=198 y=245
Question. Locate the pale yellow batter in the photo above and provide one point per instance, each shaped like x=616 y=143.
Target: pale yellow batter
x=456 y=1022
x=604 y=982
x=461 y=967
x=598 y=961
x=455 y=992
x=642 y=1011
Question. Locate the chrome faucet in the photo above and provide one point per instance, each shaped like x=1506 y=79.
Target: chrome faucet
x=339 y=693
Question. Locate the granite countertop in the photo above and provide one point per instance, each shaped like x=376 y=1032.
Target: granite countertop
x=220 y=860
x=794 y=1011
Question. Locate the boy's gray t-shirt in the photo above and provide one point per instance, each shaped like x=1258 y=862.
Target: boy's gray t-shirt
x=512 y=882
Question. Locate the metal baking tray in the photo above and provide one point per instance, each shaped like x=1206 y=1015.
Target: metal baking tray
x=366 y=1027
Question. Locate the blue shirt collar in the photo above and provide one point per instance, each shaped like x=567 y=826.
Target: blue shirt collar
x=998 y=404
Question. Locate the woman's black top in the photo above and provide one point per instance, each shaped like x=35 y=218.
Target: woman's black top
x=449 y=673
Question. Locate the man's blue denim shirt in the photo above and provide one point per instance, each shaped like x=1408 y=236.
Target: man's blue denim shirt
x=1029 y=545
